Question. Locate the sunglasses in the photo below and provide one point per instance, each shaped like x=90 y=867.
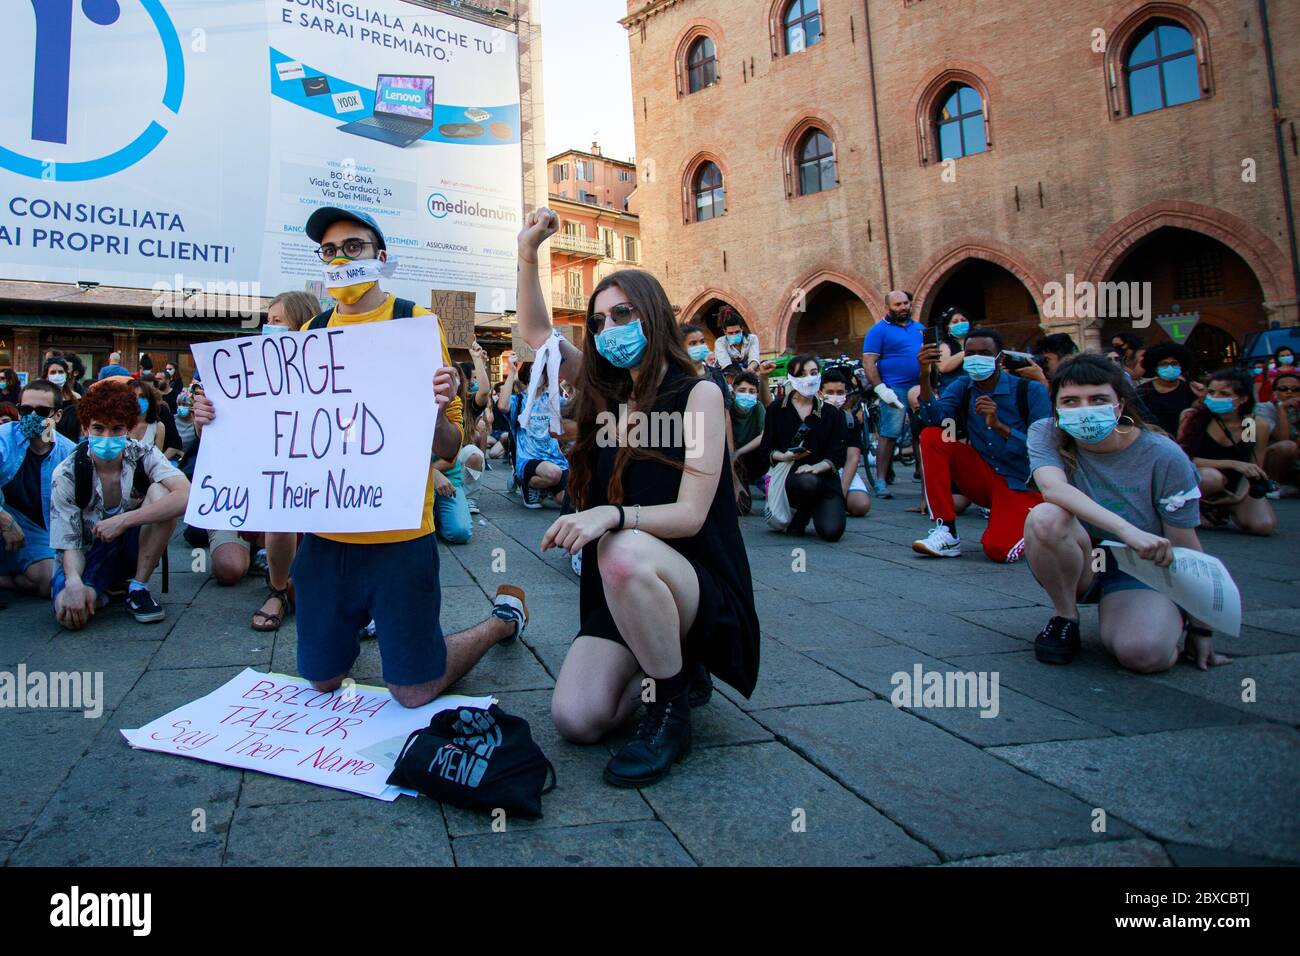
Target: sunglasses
x=621 y=314
x=1286 y=388
x=352 y=248
x=41 y=410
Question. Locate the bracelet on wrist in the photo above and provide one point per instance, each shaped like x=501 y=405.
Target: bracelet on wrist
x=621 y=517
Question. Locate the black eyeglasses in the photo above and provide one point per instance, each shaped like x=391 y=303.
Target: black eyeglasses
x=352 y=248
x=622 y=314
x=42 y=410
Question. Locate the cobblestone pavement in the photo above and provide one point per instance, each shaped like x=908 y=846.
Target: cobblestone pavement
x=817 y=768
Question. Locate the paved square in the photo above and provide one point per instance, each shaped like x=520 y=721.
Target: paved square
x=816 y=768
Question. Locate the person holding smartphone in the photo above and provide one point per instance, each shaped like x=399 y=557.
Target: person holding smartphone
x=803 y=429
x=995 y=409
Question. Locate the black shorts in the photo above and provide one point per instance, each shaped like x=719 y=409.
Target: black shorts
x=530 y=469
x=600 y=623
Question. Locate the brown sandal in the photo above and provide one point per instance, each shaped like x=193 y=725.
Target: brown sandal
x=272 y=622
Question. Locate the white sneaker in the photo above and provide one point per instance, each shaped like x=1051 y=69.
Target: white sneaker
x=939 y=544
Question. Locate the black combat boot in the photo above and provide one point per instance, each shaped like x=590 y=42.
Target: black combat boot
x=662 y=738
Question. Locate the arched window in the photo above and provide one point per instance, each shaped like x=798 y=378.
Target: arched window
x=802 y=25
x=708 y=192
x=960 y=123
x=1161 y=68
x=701 y=65
x=816 y=158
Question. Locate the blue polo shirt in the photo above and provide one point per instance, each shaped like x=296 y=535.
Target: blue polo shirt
x=1009 y=456
x=898 y=346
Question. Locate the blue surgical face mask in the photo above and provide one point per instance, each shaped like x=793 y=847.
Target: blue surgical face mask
x=107 y=448
x=144 y=405
x=623 y=346
x=1220 y=406
x=746 y=401
x=473 y=387
x=1286 y=360
x=737 y=338
x=32 y=426
x=958 y=329
x=979 y=367
x=1169 y=373
x=698 y=353
x=183 y=411
x=270 y=329
x=1090 y=424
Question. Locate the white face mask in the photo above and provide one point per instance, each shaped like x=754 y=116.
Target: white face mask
x=807 y=386
x=836 y=400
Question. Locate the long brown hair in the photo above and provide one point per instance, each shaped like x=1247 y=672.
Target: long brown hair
x=602 y=386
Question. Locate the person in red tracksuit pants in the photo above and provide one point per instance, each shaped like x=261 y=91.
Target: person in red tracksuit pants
x=997 y=408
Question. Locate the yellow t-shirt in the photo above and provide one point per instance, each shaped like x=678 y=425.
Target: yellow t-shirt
x=453 y=412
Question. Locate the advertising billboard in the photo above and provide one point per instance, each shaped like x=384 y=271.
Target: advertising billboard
x=145 y=141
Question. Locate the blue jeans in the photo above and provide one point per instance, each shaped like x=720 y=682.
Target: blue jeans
x=451 y=517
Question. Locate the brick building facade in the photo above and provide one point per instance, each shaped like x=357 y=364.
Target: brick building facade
x=592 y=195
x=799 y=158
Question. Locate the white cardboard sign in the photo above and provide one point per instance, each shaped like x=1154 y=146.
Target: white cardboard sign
x=328 y=430
x=348 y=739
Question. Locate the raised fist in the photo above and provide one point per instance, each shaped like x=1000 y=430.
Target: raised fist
x=541 y=224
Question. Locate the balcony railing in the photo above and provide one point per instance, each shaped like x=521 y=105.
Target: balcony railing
x=570 y=301
x=580 y=245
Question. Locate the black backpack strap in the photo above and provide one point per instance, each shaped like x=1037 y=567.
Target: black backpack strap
x=961 y=405
x=83 y=475
x=140 y=480
x=1022 y=400
x=402 y=309
x=321 y=320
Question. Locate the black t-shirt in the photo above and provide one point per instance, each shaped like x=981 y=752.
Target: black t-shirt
x=171 y=437
x=23 y=493
x=826 y=432
x=1167 y=406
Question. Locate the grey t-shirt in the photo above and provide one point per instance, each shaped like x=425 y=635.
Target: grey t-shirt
x=1131 y=483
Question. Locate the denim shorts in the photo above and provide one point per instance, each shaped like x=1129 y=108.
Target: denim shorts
x=1111 y=580
x=36 y=547
x=341 y=587
x=891 y=421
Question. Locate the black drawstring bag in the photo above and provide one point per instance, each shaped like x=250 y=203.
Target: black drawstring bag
x=477 y=760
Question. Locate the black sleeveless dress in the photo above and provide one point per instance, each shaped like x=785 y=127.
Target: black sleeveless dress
x=725 y=635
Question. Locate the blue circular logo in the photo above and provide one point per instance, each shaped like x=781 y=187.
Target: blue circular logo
x=438 y=206
x=53 y=68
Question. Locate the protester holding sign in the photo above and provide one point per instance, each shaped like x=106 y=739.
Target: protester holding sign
x=113 y=506
x=1105 y=473
x=344 y=580
x=666 y=591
